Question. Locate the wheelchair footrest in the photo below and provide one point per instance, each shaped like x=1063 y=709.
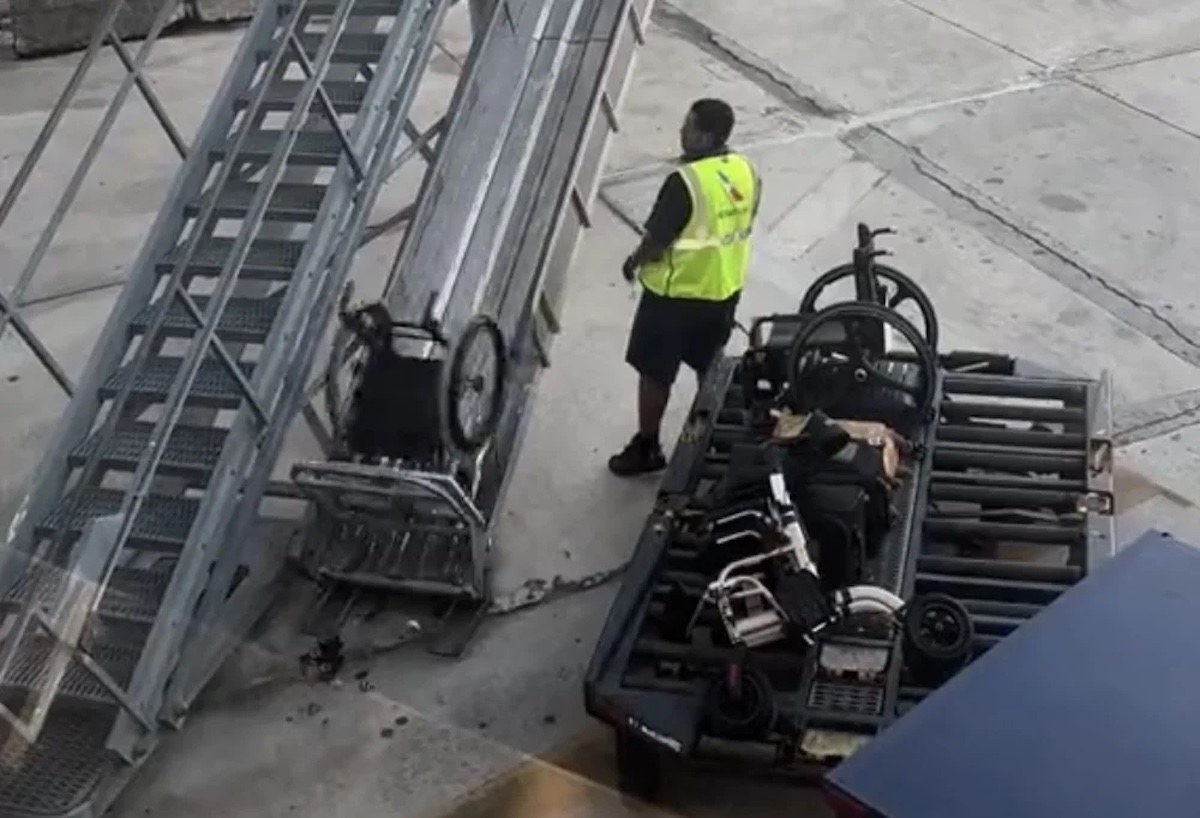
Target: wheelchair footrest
x=801 y=597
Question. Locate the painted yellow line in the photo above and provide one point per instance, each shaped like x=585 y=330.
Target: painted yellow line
x=1131 y=489
x=578 y=780
x=574 y=781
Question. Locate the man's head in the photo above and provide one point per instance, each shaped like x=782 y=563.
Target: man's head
x=707 y=126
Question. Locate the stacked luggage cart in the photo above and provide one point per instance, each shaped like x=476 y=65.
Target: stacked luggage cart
x=960 y=496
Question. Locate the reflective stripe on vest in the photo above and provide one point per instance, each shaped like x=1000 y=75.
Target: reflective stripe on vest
x=709 y=259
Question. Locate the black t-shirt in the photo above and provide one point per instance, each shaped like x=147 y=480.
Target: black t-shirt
x=672 y=211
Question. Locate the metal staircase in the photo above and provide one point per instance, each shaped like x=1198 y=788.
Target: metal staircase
x=135 y=561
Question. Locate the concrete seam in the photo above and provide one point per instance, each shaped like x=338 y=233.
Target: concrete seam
x=1099 y=66
x=1094 y=86
x=1071 y=71
x=639 y=173
x=971 y=32
x=1158 y=416
x=773 y=79
x=799 y=199
x=973 y=207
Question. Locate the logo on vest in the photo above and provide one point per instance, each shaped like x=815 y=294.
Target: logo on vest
x=730 y=189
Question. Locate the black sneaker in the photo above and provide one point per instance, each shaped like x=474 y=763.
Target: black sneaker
x=640 y=456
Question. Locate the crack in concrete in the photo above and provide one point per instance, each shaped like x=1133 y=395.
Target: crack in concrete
x=970 y=32
x=917 y=171
x=1083 y=63
x=1076 y=70
x=770 y=77
x=798 y=199
x=1159 y=416
x=838 y=129
x=1093 y=85
x=1138 y=432
x=962 y=191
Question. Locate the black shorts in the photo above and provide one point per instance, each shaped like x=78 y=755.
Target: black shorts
x=668 y=332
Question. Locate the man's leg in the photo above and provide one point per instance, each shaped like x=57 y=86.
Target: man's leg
x=655 y=352
x=708 y=337
x=652 y=405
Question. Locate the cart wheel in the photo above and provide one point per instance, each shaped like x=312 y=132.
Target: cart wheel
x=741 y=704
x=896 y=287
x=639 y=768
x=938 y=636
x=473 y=384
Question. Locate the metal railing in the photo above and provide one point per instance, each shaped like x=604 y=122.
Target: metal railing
x=298 y=330
x=12 y=303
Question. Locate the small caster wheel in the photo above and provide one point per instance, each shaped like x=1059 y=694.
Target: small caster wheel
x=938 y=637
x=741 y=704
x=639 y=767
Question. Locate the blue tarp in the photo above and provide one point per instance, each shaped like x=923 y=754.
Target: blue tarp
x=1092 y=709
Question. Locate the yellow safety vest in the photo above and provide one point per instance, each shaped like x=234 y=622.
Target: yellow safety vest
x=709 y=259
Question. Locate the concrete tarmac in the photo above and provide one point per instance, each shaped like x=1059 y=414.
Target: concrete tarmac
x=1039 y=163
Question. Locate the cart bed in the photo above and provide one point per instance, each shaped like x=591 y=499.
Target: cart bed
x=1004 y=447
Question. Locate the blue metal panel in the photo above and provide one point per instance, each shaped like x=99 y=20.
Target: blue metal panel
x=1089 y=709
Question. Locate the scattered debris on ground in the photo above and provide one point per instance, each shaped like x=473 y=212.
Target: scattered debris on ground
x=324 y=661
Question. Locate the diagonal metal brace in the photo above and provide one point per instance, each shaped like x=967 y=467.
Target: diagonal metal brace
x=10 y=314
x=217 y=346
x=326 y=105
x=149 y=95
x=419 y=142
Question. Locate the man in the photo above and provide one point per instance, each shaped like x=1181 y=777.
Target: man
x=691 y=264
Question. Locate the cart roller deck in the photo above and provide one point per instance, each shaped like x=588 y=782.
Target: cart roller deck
x=1000 y=441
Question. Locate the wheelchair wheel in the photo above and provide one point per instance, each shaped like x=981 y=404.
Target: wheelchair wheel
x=473 y=386
x=842 y=328
x=895 y=287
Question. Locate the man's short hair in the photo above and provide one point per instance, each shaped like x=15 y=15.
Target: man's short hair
x=713 y=117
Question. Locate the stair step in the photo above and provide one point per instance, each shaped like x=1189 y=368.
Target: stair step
x=269 y=259
x=214 y=387
x=359 y=49
x=291 y=202
x=312 y=148
x=133 y=594
x=345 y=96
x=162 y=523
x=362 y=8
x=192 y=451
x=29 y=669
x=245 y=320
